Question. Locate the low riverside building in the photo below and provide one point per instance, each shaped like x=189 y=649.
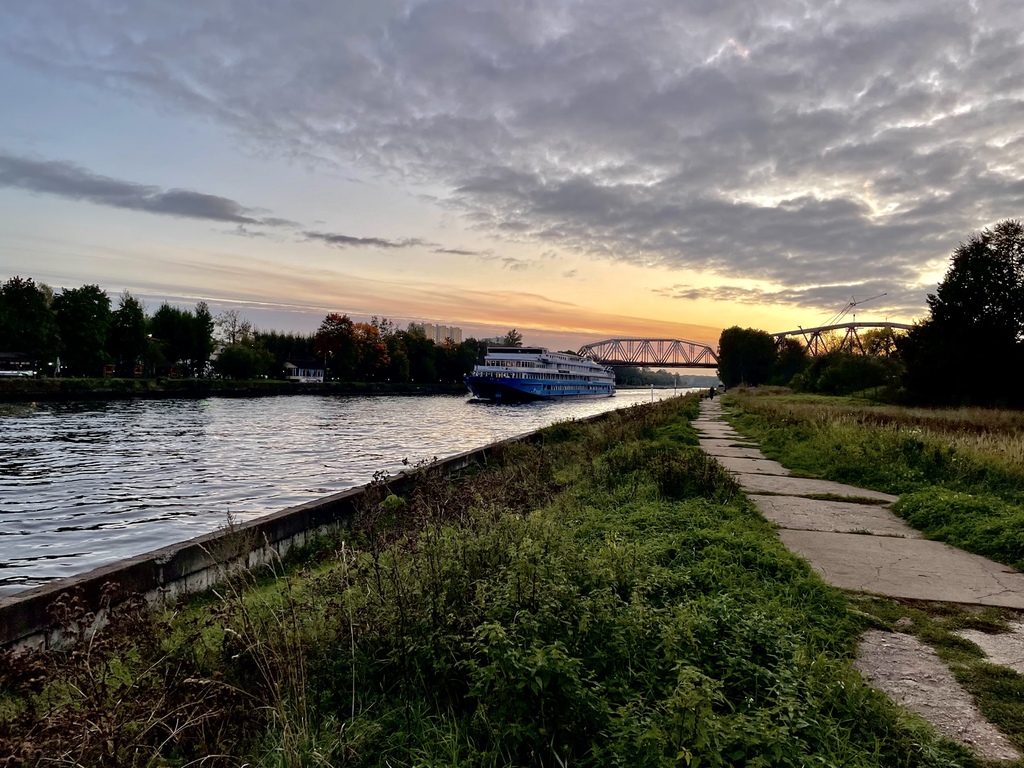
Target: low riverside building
x=304 y=371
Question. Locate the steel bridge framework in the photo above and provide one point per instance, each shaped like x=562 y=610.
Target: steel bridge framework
x=665 y=353
x=842 y=337
x=680 y=353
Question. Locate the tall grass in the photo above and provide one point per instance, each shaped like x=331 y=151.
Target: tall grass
x=601 y=597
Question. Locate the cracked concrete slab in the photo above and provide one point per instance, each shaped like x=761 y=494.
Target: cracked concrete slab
x=796 y=513
x=802 y=486
x=721 y=432
x=715 y=443
x=752 y=466
x=731 y=451
x=1005 y=649
x=914 y=676
x=916 y=569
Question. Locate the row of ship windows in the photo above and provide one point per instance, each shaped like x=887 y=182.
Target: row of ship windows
x=515 y=375
x=548 y=387
x=533 y=364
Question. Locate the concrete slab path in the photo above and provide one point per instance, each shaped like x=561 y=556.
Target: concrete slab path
x=863 y=547
x=798 y=514
x=808 y=487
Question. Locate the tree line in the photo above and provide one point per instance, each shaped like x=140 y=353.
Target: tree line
x=78 y=332
x=968 y=351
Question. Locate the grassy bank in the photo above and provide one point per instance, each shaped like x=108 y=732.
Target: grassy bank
x=959 y=472
x=20 y=390
x=602 y=597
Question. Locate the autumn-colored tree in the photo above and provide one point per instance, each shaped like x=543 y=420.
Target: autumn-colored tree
x=335 y=343
x=371 y=352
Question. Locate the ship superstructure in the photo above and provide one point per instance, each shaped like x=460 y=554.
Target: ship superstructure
x=511 y=374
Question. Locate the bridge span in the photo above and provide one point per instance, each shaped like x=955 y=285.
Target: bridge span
x=664 y=353
x=842 y=337
x=680 y=353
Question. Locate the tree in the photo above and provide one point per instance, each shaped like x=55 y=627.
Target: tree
x=791 y=359
x=977 y=321
x=513 y=339
x=371 y=352
x=232 y=328
x=881 y=342
x=201 y=346
x=335 y=342
x=27 y=322
x=421 y=353
x=172 y=330
x=243 y=361
x=745 y=356
x=285 y=346
x=127 y=340
x=83 y=318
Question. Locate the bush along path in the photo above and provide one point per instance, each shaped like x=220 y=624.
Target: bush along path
x=854 y=542
x=603 y=596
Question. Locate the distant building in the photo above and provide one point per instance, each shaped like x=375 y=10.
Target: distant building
x=304 y=371
x=438 y=333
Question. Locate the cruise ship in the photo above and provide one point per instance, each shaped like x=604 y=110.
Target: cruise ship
x=515 y=374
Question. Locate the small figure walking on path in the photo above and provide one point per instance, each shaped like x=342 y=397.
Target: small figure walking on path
x=711 y=393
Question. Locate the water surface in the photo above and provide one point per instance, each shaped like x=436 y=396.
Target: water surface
x=84 y=484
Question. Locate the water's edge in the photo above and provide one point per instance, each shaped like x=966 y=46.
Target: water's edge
x=195 y=565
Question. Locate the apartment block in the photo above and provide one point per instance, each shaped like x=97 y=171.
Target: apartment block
x=438 y=333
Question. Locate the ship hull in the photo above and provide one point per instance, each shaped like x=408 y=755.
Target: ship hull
x=508 y=390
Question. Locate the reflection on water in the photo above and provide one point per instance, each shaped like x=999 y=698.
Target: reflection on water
x=83 y=484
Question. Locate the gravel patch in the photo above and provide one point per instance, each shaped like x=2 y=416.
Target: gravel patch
x=913 y=676
x=1005 y=649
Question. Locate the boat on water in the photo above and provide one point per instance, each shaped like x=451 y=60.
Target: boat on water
x=517 y=374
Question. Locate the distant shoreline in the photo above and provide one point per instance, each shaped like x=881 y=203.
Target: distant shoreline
x=65 y=390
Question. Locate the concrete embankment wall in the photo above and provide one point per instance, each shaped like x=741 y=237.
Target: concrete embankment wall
x=199 y=563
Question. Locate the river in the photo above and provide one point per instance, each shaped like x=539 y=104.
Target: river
x=85 y=484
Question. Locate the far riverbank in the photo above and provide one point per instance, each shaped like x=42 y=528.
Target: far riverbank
x=66 y=390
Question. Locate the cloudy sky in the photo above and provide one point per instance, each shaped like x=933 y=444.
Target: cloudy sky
x=574 y=168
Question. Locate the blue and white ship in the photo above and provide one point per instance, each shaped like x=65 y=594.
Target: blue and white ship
x=515 y=374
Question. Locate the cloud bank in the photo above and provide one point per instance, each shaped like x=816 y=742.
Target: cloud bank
x=64 y=179
x=814 y=147
x=348 y=241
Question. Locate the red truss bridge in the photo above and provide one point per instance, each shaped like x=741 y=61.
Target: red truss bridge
x=844 y=337
x=664 y=353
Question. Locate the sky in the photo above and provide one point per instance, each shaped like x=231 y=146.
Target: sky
x=576 y=169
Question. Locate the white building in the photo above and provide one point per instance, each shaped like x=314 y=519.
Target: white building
x=438 y=333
